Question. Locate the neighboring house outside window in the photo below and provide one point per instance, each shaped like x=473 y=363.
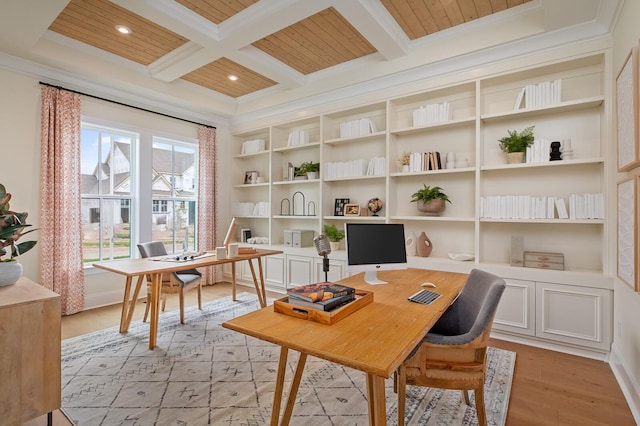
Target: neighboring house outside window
x=110 y=202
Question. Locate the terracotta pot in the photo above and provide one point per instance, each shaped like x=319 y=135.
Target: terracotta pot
x=424 y=245
x=432 y=207
x=10 y=272
x=335 y=245
x=515 y=157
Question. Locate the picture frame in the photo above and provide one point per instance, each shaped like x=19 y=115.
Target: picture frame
x=338 y=209
x=248 y=177
x=627 y=232
x=627 y=113
x=352 y=210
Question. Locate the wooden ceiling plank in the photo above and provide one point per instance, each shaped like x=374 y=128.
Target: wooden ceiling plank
x=425 y=17
x=217 y=11
x=360 y=45
x=439 y=14
x=452 y=11
x=498 y=5
x=483 y=7
x=399 y=17
x=468 y=10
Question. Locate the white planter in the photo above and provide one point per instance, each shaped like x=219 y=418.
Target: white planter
x=10 y=272
x=335 y=245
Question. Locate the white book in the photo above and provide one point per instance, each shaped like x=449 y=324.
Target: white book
x=562 y=209
x=519 y=99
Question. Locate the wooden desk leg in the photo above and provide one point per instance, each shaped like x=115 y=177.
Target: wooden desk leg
x=233 y=281
x=277 y=395
x=156 y=282
x=293 y=392
x=125 y=305
x=264 y=291
x=259 y=293
x=377 y=400
x=132 y=305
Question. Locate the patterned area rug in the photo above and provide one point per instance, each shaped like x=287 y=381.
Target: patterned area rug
x=201 y=373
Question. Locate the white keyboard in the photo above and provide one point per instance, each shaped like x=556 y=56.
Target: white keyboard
x=424 y=296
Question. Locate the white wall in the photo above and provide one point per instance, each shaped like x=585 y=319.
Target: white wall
x=20 y=163
x=626 y=346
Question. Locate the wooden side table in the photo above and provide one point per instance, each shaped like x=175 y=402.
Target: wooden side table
x=30 y=352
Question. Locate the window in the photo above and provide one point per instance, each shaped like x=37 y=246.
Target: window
x=174 y=204
x=106 y=193
x=111 y=176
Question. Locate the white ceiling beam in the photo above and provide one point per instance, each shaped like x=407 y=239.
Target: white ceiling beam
x=22 y=23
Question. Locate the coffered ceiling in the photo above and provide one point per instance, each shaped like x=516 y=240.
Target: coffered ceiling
x=184 y=51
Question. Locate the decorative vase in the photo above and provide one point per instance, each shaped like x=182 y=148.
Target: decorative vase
x=312 y=175
x=515 y=157
x=423 y=245
x=335 y=245
x=10 y=272
x=410 y=244
x=405 y=168
x=432 y=207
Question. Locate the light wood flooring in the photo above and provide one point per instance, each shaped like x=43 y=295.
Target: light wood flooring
x=549 y=388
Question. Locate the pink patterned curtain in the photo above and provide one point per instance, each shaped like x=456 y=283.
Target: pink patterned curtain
x=207 y=197
x=60 y=240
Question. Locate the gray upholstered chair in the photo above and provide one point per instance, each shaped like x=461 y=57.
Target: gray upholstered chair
x=172 y=282
x=452 y=355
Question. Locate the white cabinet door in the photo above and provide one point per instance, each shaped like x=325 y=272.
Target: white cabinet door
x=516 y=311
x=574 y=315
x=337 y=270
x=274 y=275
x=299 y=271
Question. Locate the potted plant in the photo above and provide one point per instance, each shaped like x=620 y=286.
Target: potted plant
x=516 y=144
x=430 y=200
x=334 y=235
x=12 y=227
x=309 y=169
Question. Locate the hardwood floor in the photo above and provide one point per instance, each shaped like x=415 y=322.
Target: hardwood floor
x=549 y=388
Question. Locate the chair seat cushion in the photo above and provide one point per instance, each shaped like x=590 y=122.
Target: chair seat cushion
x=187 y=279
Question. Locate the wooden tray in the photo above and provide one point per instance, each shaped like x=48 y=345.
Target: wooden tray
x=363 y=298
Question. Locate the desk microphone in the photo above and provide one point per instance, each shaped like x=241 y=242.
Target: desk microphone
x=324 y=249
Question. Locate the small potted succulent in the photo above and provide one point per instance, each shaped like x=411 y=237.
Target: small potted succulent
x=404 y=161
x=308 y=169
x=334 y=235
x=430 y=200
x=516 y=144
x=12 y=227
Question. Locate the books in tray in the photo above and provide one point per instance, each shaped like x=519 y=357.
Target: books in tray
x=322 y=291
x=323 y=305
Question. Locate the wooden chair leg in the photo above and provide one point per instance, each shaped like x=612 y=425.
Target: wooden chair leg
x=164 y=302
x=465 y=395
x=200 y=296
x=402 y=393
x=147 y=305
x=480 y=409
x=181 y=306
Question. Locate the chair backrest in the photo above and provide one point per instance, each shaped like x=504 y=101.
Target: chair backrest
x=152 y=248
x=472 y=312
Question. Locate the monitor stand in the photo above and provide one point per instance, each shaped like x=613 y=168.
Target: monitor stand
x=371 y=277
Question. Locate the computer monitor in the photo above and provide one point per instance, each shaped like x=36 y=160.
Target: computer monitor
x=373 y=247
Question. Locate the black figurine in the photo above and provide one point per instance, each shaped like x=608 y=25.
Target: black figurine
x=555 y=151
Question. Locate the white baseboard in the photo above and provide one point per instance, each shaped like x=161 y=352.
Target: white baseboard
x=628 y=384
x=106 y=298
x=546 y=344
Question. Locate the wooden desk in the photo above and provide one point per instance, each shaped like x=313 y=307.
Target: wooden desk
x=30 y=352
x=375 y=339
x=155 y=268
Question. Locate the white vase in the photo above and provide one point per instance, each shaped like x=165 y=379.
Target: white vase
x=411 y=244
x=10 y=272
x=312 y=175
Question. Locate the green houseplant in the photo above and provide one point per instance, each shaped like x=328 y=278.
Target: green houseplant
x=308 y=167
x=334 y=235
x=516 y=142
x=430 y=200
x=12 y=227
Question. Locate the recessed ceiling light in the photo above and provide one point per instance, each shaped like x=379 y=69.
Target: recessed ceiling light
x=232 y=77
x=123 y=29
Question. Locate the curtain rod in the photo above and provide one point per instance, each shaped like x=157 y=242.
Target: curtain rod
x=126 y=105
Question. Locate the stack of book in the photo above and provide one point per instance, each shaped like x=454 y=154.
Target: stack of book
x=323 y=296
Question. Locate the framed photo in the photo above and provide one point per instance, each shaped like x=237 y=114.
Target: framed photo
x=249 y=176
x=352 y=210
x=628 y=231
x=338 y=209
x=627 y=113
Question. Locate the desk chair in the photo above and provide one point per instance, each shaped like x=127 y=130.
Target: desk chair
x=452 y=355
x=172 y=282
